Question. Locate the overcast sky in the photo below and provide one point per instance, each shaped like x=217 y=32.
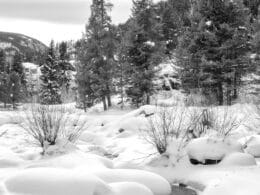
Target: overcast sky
x=53 y=19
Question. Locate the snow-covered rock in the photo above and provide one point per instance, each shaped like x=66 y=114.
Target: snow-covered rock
x=205 y=148
x=253 y=146
x=129 y=188
x=5 y=118
x=238 y=159
x=46 y=181
x=234 y=186
x=156 y=183
x=75 y=160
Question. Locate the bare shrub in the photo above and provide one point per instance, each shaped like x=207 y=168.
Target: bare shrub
x=166 y=124
x=3 y=133
x=202 y=120
x=226 y=121
x=48 y=123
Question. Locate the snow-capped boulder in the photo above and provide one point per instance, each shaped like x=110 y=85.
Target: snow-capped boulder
x=253 y=146
x=234 y=186
x=211 y=150
x=238 y=159
x=75 y=160
x=130 y=188
x=157 y=184
x=46 y=181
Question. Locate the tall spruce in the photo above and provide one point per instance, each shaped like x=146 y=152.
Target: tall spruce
x=96 y=56
x=143 y=46
x=213 y=51
x=174 y=18
x=64 y=66
x=4 y=96
x=17 y=80
x=50 y=88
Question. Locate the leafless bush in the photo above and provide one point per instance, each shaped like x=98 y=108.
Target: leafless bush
x=226 y=121
x=166 y=124
x=3 y=133
x=48 y=123
x=202 y=120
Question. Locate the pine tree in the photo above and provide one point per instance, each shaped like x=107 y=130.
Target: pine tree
x=121 y=72
x=50 y=88
x=17 y=80
x=85 y=77
x=174 y=18
x=213 y=51
x=143 y=46
x=97 y=58
x=17 y=67
x=3 y=79
x=64 y=66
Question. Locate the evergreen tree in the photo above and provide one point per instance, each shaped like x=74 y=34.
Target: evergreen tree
x=3 y=79
x=16 y=88
x=17 y=80
x=213 y=51
x=85 y=77
x=64 y=66
x=17 y=67
x=50 y=87
x=122 y=66
x=143 y=46
x=97 y=58
x=174 y=17
x=253 y=5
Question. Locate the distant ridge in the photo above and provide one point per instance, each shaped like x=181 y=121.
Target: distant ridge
x=31 y=48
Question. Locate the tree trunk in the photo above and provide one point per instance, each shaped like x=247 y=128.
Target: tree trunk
x=109 y=103
x=122 y=99
x=104 y=103
x=235 y=94
x=220 y=94
x=121 y=86
x=85 y=104
x=148 y=99
x=228 y=95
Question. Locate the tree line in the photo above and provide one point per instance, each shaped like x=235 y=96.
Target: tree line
x=15 y=84
x=211 y=40
x=214 y=42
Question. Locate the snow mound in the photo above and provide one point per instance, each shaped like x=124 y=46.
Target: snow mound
x=45 y=181
x=9 y=159
x=75 y=160
x=233 y=186
x=130 y=188
x=239 y=159
x=7 y=162
x=205 y=148
x=133 y=124
x=157 y=184
x=5 y=118
x=253 y=146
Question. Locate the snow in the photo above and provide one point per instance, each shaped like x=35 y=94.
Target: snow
x=234 y=186
x=252 y=146
x=45 y=181
x=209 y=23
x=211 y=148
x=157 y=184
x=113 y=158
x=150 y=43
x=239 y=159
x=129 y=188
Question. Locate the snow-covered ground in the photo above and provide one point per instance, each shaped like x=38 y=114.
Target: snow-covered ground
x=112 y=157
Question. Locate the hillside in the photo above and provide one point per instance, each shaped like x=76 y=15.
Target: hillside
x=30 y=47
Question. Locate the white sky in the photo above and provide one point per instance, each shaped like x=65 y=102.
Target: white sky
x=53 y=19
